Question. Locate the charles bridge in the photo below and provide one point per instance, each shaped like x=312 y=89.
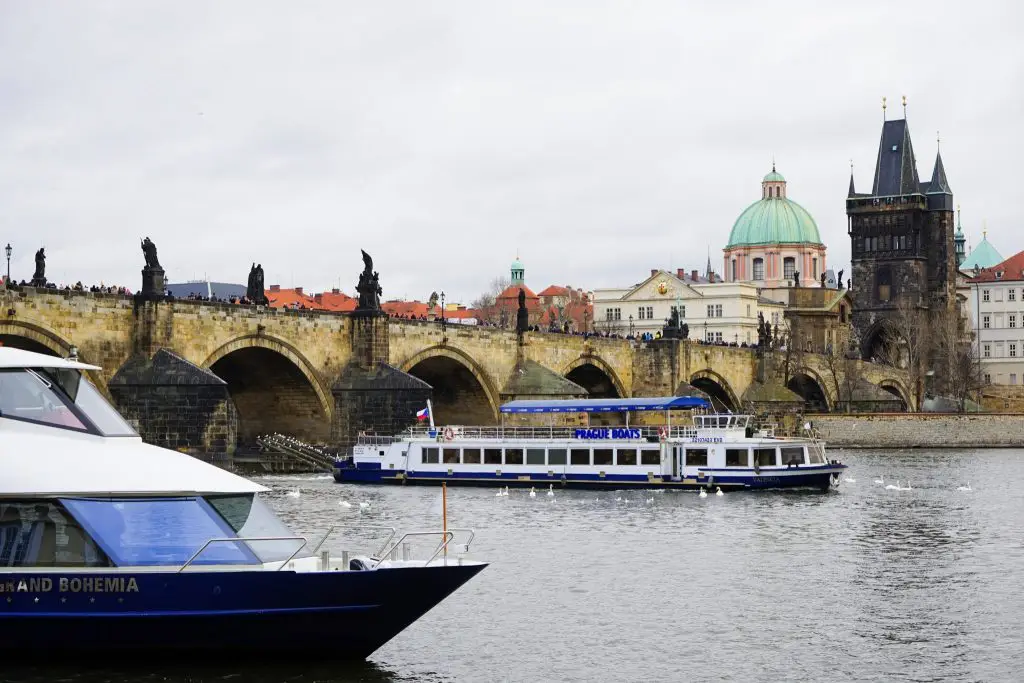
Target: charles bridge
x=204 y=376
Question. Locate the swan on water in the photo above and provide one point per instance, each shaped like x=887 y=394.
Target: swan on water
x=881 y=479
x=890 y=487
x=499 y=494
x=551 y=490
x=364 y=505
x=965 y=488
x=294 y=494
x=505 y=491
x=718 y=491
x=533 y=492
x=703 y=493
x=344 y=503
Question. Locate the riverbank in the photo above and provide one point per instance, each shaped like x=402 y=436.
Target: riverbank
x=921 y=430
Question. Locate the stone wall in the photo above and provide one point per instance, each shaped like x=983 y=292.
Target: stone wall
x=920 y=430
x=192 y=419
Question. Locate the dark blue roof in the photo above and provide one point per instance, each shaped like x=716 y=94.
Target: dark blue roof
x=606 y=405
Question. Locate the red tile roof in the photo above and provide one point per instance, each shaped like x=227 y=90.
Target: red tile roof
x=556 y=290
x=1012 y=270
x=512 y=292
x=290 y=298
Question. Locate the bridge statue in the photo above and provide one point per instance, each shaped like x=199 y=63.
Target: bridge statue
x=255 y=291
x=39 y=276
x=152 y=273
x=840 y=280
x=674 y=328
x=823 y=280
x=368 y=287
x=796 y=278
x=522 y=315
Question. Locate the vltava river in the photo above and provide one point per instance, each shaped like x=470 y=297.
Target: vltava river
x=861 y=584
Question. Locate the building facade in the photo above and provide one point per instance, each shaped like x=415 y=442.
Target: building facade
x=901 y=236
x=773 y=240
x=997 y=319
x=717 y=312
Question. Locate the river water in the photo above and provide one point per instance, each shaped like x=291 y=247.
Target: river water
x=860 y=584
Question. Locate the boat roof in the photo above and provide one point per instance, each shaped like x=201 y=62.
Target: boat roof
x=19 y=358
x=605 y=405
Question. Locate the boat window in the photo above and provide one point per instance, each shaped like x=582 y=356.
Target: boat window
x=736 y=457
x=42 y=534
x=451 y=456
x=534 y=456
x=625 y=456
x=696 y=457
x=250 y=517
x=29 y=396
x=158 y=531
x=431 y=456
x=602 y=456
x=816 y=456
x=513 y=456
x=650 y=456
x=579 y=456
x=492 y=456
x=764 y=457
x=793 y=456
x=471 y=456
x=556 y=456
x=90 y=401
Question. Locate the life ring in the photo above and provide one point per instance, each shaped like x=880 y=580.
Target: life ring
x=663 y=433
x=449 y=433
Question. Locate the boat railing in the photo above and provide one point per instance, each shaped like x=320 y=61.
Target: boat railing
x=358 y=527
x=499 y=433
x=446 y=539
x=247 y=542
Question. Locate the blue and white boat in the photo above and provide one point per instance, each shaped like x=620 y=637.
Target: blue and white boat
x=108 y=544
x=712 y=451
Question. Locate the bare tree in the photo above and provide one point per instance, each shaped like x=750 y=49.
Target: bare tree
x=843 y=362
x=908 y=341
x=486 y=305
x=957 y=363
x=792 y=339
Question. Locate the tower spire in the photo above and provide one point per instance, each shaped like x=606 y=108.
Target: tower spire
x=853 y=191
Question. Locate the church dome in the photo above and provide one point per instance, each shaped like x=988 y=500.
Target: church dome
x=775 y=219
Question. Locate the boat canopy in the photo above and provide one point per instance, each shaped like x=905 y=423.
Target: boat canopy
x=606 y=405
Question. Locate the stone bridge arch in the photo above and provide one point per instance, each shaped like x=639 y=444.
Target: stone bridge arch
x=587 y=371
x=717 y=387
x=813 y=388
x=274 y=388
x=897 y=389
x=31 y=337
x=462 y=391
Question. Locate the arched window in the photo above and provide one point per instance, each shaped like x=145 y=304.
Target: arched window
x=734 y=270
x=758 y=269
x=788 y=267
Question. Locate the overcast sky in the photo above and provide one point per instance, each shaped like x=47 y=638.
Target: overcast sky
x=597 y=140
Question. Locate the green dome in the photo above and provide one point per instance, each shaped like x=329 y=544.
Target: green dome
x=517 y=264
x=776 y=220
x=774 y=177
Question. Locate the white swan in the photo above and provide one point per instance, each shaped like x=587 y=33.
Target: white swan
x=499 y=494
x=703 y=493
x=533 y=492
x=890 y=487
x=551 y=490
x=905 y=488
x=618 y=499
x=965 y=488
x=364 y=505
x=881 y=479
x=505 y=491
x=294 y=494
x=718 y=491
x=650 y=500
x=344 y=503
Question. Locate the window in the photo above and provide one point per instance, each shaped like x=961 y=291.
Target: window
x=125 y=530
x=884 y=285
x=431 y=456
x=650 y=456
x=986 y=321
x=535 y=456
x=602 y=456
x=579 y=456
x=788 y=267
x=984 y=295
x=1011 y=295
x=758 y=269
x=736 y=457
x=1013 y=349
x=618 y=313
x=650 y=312
x=640 y=313
x=988 y=378
x=250 y=517
x=492 y=456
x=471 y=456
x=556 y=456
x=748 y=310
x=696 y=457
x=792 y=456
x=814 y=268
x=30 y=396
x=625 y=456
x=682 y=311
x=451 y=456
x=1013 y=320
x=718 y=310
x=734 y=270
x=987 y=351
x=711 y=311
x=764 y=457
x=41 y=534
x=513 y=456
x=717 y=336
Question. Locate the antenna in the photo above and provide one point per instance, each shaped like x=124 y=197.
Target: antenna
x=938 y=141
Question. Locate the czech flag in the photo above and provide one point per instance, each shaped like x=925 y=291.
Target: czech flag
x=423 y=414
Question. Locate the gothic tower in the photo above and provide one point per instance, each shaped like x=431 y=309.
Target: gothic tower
x=901 y=237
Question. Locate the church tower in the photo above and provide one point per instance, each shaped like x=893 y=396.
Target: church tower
x=901 y=236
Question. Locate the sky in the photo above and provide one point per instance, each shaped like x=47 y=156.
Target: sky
x=595 y=140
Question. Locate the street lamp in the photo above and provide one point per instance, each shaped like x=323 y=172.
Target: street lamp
x=584 y=322
x=444 y=326
x=631 y=325
x=8 y=250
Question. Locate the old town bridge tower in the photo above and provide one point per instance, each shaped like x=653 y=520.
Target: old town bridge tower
x=901 y=237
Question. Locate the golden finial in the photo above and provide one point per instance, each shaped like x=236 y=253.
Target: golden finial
x=904 y=106
x=883 y=107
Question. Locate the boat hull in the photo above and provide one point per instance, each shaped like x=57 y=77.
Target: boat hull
x=820 y=477
x=250 y=613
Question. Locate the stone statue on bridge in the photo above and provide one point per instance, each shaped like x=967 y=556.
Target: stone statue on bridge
x=368 y=287
x=39 y=276
x=255 y=291
x=674 y=329
x=840 y=280
x=522 y=315
x=796 y=278
x=152 y=273
x=823 y=280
